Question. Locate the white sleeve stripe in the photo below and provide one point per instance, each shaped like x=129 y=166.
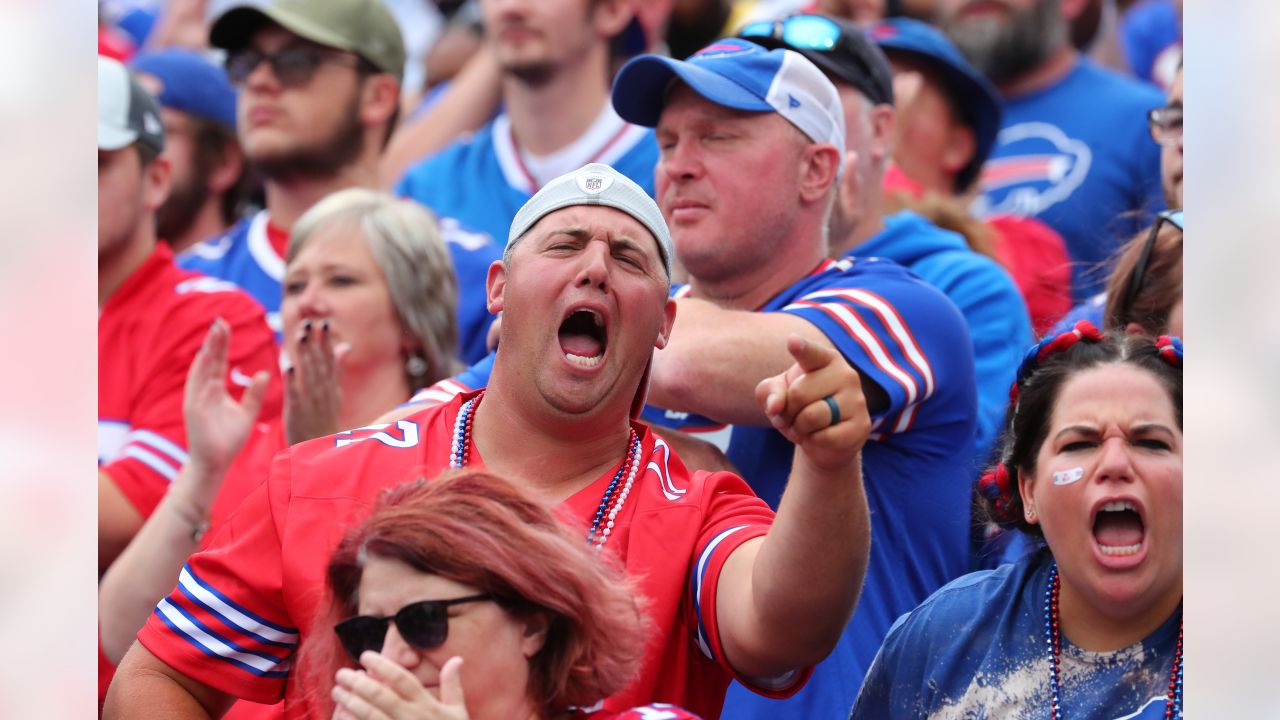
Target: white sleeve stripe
x=149 y=459
x=156 y=441
x=904 y=421
x=704 y=643
x=230 y=615
x=441 y=392
x=870 y=341
x=892 y=320
x=212 y=643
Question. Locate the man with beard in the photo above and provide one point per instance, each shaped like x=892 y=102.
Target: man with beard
x=1073 y=149
x=319 y=85
x=210 y=174
x=555 y=62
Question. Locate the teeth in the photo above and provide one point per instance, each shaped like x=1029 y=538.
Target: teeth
x=1119 y=506
x=584 y=361
x=1121 y=550
x=597 y=318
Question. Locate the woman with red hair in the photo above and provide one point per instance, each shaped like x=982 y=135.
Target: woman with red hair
x=463 y=598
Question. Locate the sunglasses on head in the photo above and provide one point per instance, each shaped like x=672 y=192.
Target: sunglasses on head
x=808 y=32
x=424 y=625
x=1138 y=278
x=292 y=66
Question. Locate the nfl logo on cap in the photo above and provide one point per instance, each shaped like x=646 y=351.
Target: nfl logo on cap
x=593 y=182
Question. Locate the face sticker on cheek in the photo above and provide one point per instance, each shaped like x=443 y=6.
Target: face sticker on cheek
x=1066 y=477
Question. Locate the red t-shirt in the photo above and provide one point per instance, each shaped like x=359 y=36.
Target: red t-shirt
x=1036 y=256
x=242 y=606
x=149 y=331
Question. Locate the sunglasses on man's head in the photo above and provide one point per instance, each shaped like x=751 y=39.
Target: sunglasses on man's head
x=292 y=66
x=424 y=625
x=809 y=32
x=1139 y=275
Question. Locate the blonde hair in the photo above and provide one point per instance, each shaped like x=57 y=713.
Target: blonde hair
x=407 y=246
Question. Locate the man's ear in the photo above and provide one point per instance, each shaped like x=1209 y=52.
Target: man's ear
x=883 y=120
x=960 y=148
x=495 y=283
x=380 y=98
x=611 y=17
x=226 y=169
x=668 y=322
x=535 y=634
x=157 y=179
x=821 y=166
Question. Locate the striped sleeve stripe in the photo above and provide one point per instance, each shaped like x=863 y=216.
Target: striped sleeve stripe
x=906 y=418
x=704 y=643
x=159 y=443
x=235 y=616
x=869 y=341
x=889 y=315
x=208 y=642
x=151 y=460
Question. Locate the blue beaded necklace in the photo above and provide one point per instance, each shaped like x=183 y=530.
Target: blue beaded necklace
x=1053 y=638
x=610 y=503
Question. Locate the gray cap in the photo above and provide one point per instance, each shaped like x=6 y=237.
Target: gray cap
x=595 y=184
x=126 y=113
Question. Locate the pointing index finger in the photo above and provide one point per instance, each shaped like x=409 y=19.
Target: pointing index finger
x=809 y=356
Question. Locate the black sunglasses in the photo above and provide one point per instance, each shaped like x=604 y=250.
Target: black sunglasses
x=424 y=625
x=292 y=66
x=1139 y=275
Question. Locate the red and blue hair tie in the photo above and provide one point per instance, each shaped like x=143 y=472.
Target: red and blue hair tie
x=1170 y=349
x=1038 y=353
x=996 y=486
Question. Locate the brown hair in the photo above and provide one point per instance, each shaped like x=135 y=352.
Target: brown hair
x=478 y=529
x=1161 y=281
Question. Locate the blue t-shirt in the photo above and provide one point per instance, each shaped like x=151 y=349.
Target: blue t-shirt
x=1078 y=156
x=244 y=255
x=976 y=649
x=986 y=296
x=480 y=183
x=910 y=339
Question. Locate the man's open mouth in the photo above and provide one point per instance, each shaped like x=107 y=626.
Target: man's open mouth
x=583 y=337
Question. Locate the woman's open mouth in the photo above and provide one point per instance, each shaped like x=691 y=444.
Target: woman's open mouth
x=1118 y=528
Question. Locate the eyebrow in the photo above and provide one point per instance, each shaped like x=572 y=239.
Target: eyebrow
x=581 y=233
x=1136 y=429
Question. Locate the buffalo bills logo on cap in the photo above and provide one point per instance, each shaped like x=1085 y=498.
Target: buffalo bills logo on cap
x=729 y=46
x=593 y=183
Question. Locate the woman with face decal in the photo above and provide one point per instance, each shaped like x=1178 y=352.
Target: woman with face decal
x=368 y=316
x=461 y=597
x=1091 y=624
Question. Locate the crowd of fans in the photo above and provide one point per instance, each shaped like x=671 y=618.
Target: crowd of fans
x=846 y=333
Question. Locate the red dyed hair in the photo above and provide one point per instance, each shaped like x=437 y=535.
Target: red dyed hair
x=478 y=529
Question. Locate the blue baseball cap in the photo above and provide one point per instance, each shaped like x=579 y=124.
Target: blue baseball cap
x=189 y=83
x=737 y=74
x=971 y=93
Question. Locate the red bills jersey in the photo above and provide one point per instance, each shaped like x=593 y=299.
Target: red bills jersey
x=148 y=333
x=242 y=606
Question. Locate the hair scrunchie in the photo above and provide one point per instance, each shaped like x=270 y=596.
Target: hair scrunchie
x=1036 y=354
x=996 y=486
x=1170 y=348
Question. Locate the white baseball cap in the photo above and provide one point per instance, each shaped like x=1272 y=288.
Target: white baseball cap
x=126 y=112
x=595 y=184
